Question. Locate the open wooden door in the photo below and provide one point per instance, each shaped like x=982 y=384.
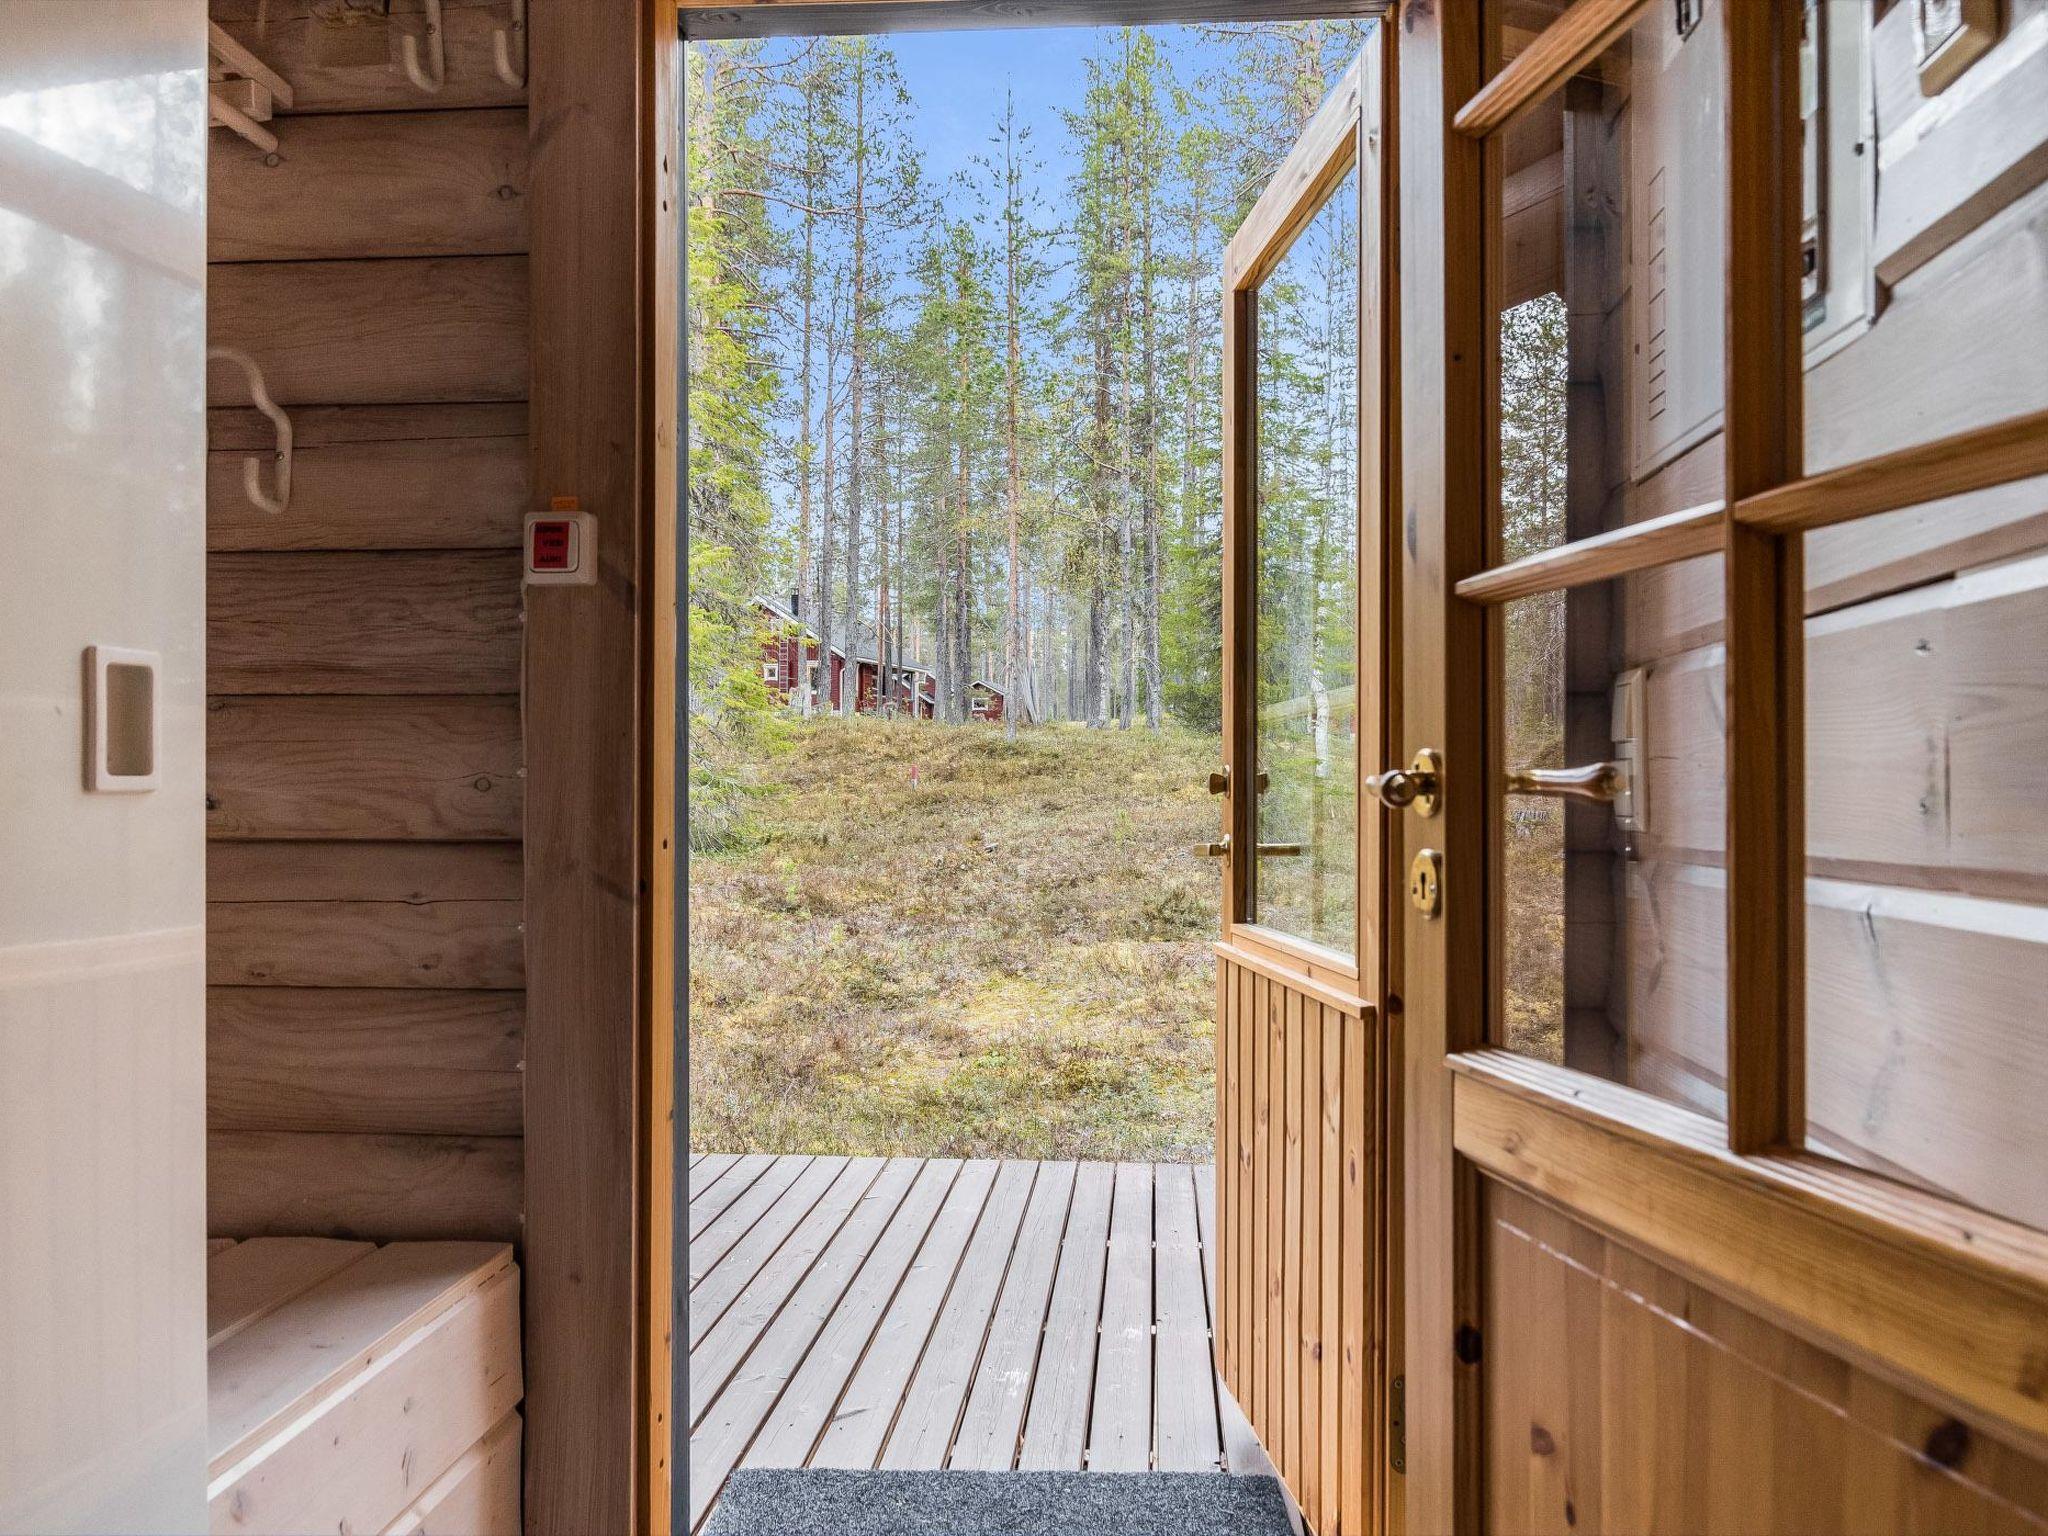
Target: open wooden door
x=1660 y=1276
x=1303 y=1044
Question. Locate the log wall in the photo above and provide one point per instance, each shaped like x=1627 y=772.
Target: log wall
x=366 y=1003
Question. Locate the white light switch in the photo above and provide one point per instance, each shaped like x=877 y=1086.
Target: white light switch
x=120 y=719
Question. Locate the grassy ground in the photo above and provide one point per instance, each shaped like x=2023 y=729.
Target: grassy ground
x=939 y=942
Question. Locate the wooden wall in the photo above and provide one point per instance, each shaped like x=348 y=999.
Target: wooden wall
x=366 y=1007
x=1300 y=1157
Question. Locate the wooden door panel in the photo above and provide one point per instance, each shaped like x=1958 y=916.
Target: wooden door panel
x=1301 y=1217
x=1621 y=1397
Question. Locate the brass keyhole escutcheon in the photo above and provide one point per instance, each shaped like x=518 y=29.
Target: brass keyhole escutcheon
x=1426 y=882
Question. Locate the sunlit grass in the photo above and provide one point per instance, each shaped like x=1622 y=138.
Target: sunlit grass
x=940 y=942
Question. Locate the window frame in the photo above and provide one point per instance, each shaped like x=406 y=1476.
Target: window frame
x=1328 y=151
x=1918 y=1286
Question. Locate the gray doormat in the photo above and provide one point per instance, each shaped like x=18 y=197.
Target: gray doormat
x=761 y=1501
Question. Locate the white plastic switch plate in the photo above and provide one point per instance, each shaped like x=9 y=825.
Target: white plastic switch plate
x=1631 y=749
x=121 y=720
x=561 y=549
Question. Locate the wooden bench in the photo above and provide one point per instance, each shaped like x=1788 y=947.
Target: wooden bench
x=361 y=1388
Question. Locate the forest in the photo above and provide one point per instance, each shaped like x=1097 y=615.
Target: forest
x=964 y=407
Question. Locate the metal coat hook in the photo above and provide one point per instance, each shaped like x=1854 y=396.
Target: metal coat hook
x=509 y=46
x=435 y=75
x=252 y=467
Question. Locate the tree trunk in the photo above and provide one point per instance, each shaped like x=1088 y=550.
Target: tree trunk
x=850 y=696
x=1149 y=502
x=806 y=597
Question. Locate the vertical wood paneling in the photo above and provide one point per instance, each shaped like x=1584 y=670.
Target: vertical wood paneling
x=1622 y=1398
x=1356 y=1422
x=1309 y=1266
x=1272 y=1274
x=1301 y=1237
x=1331 y=1222
x=1258 y=1399
x=1241 y=1217
x=1287 y=1271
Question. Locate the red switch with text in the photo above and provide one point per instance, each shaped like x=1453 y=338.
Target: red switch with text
x=553 y=540
x=561 y=546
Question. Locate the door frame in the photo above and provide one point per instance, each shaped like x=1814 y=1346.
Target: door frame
x=659 y=1479
x=1934 y=1296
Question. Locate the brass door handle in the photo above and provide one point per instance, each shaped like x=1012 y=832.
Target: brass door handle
x=1420 y=784
x=1219 y=782
x=1601 y=783
x=1221 y=850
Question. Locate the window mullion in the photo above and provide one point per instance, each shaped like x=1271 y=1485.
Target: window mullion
x=1765 y=584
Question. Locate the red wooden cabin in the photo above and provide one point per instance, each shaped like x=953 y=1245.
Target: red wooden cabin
x=788 y=644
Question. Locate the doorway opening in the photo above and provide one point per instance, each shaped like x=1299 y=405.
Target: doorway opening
x=957 y=694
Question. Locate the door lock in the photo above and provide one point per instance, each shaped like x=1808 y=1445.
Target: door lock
x=1420 y=784
x=1426 y=882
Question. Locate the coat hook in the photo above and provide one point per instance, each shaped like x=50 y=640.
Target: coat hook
x=436 y=73
x=252 y=467
x=510 y=45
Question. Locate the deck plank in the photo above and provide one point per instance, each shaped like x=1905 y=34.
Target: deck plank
x=718 y=1181
x=793 y=1430
x=931 y=1407
x=732 y=1227
x=860 y=1426
x=727 y=1425
x=994 y=1420
x=1120 y=1425
x=904 y=1312
x=727 y=1340
x=1184 y=1372
x=1056 y=1424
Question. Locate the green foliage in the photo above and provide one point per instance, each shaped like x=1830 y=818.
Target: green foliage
x=824 y=265
x=731 y=721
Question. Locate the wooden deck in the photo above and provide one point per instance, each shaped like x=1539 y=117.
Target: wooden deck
x=925 y=1313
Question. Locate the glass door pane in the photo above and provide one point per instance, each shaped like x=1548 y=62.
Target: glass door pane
x=1305 y=662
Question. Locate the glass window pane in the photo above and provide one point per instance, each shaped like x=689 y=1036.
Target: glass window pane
x=1305 y=878
x=1610 y=319
x=1614 y=935
x=1609 y=286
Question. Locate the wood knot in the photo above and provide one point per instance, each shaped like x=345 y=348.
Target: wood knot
x=1948 y=1443
x=1467 y=1344
x=1541 y=1441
